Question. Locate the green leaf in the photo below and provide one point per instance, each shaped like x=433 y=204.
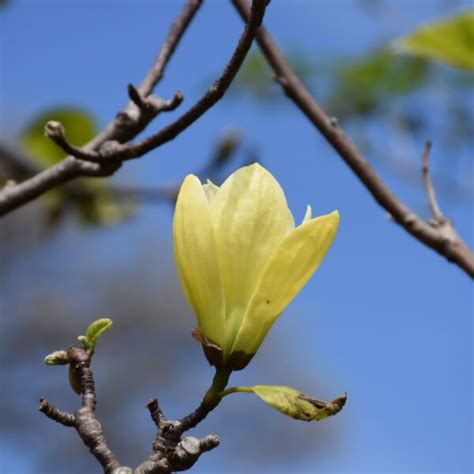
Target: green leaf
x=79 y=126
x=56 y=358
x=94 y=332
x=362 y=86
x=449 y=41
x=293 y=403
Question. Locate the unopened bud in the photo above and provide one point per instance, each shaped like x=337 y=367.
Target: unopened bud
x=56 y=358
x=53 y=129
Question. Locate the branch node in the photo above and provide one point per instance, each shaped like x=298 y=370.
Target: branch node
x=122 y=470
x=334 y=122
x=283 y=81
x=438 y=217
x=135 y=96
x=173 y=103
x=110 y=148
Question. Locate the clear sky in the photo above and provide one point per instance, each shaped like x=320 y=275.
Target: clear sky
x=385 y=318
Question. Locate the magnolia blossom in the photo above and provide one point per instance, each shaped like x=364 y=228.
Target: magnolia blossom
x=241 y=260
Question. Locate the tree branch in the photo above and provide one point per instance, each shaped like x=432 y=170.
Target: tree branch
x=210 y=98
x=170 y=453
x=15 y=165
x=105 y=157
x=128 y=124
x=443 y=239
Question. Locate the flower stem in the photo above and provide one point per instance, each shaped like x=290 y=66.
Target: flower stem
x=214 y=394
x=236 y=390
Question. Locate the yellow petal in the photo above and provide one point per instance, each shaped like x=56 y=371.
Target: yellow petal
x=308 y=214
x=210 y=189
x=251 y=218
x=196 y=258
x=290 y=267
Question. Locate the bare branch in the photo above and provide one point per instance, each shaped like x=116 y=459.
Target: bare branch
x=15 y=165
x=169 y=46
x=104 y=155
x=170 y=453
x=155 y=412
x=53 y=413
x=210 y=98
x=128 y=124
x=437 y=214
x=443 y=239
x=55 y=132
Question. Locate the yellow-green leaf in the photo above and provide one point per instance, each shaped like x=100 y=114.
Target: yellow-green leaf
x=56 y=358
x=293 y=403
x=448 y=41
x=93 y=333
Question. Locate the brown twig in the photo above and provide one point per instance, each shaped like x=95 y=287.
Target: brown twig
x=103 y=157
x=443 y=239
x=128 y=124
x=61 y=417
x=170 y=453
x=16 y=165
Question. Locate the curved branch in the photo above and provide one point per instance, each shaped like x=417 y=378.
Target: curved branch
x=104 y=158
x=210 y=98
x=442 y=238
x=128 y=124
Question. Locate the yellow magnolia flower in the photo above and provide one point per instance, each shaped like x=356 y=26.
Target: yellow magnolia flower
x=241 y=260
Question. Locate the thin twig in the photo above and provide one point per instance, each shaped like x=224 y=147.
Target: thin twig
x=430 y=191
x=16 y=165
x=59 y=416
x=155 y=412
x=170 y=453
x=178 y=28
x=128 y=124
x=442 y=239
x=217 y=90
x=105 y=157
x=210 y=98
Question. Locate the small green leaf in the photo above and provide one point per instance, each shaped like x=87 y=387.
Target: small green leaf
x=56 y=358
x=94 y=331
x=449 y=41
x=291 y=402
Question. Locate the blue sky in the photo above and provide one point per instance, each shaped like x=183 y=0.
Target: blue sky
x=385 y=318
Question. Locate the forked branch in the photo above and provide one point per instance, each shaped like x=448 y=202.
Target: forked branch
x=171 y=452
x=105 y=153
